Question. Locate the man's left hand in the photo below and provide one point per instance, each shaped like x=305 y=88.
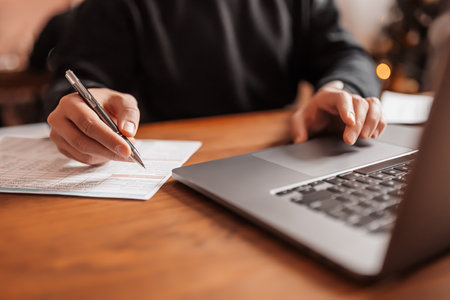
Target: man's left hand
x=334 y=108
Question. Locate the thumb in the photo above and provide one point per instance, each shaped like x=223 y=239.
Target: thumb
x=299 y=128
x=128 y=115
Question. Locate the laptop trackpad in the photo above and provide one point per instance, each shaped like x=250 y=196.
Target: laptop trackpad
x=324 y=156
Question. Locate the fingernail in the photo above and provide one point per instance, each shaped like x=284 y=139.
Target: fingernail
x=351 y=116
x=352 y=138
x=129 y=127
x=375 y=134
x=365 y=133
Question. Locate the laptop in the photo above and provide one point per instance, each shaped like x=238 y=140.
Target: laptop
x=373 y=209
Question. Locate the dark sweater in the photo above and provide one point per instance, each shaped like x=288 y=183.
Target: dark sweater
x=191 y=58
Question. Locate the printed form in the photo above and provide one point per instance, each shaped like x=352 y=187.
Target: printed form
x=35 y=166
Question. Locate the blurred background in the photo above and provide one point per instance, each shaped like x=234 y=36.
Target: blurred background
x=394 y=32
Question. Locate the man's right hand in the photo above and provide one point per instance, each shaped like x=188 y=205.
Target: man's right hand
x=80 y=134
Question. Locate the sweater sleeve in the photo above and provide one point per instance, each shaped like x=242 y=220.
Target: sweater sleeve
x=98 y=45
x=324 y=52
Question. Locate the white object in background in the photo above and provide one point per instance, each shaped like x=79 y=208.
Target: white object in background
x=36 y=130
x=405 y=108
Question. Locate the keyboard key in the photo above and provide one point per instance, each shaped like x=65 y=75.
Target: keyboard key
x=389 y=183
x=334 y=180
x=341 y=213
x=392 y=172
x=312 y=197
x=326 y=205
x=376 y=188
x=361 y=209
x=350 y=176
x=348 y=199
x=313 y=184
x=383 y=228
x=282 y=193
x=338 y=189
x=386 y=198
x=367 y=180
x=403 y=168
x=308 y=190
x=322 y=186
x=353 y=184
x=401 y=179
x=363 y=194
x=380 y=176
x=397 y=193
x=363 y=221
x=381 y=214
x=297 y=198
x=382 y=225
x=375 y=205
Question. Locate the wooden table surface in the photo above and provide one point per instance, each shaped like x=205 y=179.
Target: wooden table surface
x=178 y=244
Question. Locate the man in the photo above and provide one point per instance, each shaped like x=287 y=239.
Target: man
x=184 y=59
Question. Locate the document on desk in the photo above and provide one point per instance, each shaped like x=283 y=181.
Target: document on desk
x=35 y=166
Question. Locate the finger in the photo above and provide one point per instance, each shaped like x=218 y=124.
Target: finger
x=124 y=107
x=381 y=126
x=341 y=101
x=88 y=123
x=299 y=128
x=65 y=148
x=372 y=119
x=81 y=146
x=361 y=108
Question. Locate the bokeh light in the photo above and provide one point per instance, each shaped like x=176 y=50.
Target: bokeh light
x=383 y=71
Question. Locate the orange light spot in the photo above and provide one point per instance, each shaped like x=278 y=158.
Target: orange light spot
x=383 y=71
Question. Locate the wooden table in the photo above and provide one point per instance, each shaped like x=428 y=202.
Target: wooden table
x=179 y=244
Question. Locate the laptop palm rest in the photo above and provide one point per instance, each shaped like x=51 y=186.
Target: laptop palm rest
x=325 y=156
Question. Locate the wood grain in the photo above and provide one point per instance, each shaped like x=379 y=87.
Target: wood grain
x=179 y=244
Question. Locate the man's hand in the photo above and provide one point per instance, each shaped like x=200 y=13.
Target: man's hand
x=80 y=134
x=336 y=109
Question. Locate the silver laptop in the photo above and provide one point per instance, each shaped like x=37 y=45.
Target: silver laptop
x=373 y=209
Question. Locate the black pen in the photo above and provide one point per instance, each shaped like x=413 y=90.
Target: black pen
x=95 y=106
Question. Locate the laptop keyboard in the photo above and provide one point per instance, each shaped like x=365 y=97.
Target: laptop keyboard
x=366 y=198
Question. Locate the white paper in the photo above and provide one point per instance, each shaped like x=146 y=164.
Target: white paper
x=30 y=165
x=36 y=130
x=405 y=108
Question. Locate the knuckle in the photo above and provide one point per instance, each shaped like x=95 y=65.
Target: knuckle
x=51 y=118
x=365 y=105
x=374 y=101
x=131 y=111
x=359 y=123
x=79 y=144
x=66 y=99
x=86 y=125
x=342 y=96
x=88 y=159
x=115 y=97
x=130 y=98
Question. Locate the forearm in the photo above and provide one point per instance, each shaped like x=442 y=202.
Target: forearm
x=327 y=52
